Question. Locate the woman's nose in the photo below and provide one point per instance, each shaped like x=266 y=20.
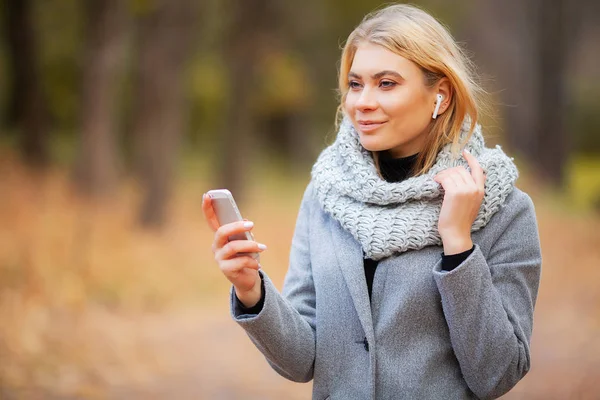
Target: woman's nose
x=367 y=100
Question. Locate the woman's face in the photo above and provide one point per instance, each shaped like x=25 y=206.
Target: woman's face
x=388 y=102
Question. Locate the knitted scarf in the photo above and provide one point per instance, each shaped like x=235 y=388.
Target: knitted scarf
x=394 y=217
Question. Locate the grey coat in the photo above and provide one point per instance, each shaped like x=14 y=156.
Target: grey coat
x=426 y=334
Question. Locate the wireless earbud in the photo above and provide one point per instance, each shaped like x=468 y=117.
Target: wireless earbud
x=437 y=105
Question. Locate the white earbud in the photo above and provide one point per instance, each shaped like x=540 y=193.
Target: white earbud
x=437 y=105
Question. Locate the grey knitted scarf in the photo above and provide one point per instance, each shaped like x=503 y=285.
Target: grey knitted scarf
x=393 y=217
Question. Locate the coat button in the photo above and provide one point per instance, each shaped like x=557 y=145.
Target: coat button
x=365 y=343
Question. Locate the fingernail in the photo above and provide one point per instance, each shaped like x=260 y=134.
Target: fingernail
x=467 y=151
x=262 y=246
x=259 y=266
x=248 y=224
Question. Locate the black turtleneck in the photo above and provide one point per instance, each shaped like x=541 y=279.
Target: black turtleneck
x=396 y=169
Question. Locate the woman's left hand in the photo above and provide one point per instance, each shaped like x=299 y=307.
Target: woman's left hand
x=462 y=200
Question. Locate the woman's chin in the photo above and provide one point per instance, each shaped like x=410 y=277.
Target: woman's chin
x=371 y=145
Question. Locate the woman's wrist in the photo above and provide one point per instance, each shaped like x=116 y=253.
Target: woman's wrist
x=455 y=244
x=250 y=298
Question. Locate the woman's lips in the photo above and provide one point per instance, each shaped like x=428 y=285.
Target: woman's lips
x=369 y=126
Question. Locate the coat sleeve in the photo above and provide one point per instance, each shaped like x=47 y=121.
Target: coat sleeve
x=488 y=303
x=284 y=330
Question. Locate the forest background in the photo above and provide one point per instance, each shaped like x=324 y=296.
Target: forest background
x=117 y=115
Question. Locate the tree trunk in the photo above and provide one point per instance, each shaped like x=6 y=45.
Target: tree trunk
x=530 y=62
x=311 y=126
x=553 y=144
x=97 y=165
x=164 y=35
x=27 y=111
x=244 y=44
x=509 y=56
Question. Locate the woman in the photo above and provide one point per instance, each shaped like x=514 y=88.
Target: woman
x=414 y=267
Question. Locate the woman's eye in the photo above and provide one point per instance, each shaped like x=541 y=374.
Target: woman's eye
x=387 y=84
x=354 y=85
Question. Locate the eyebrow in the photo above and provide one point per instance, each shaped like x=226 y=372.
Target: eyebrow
x=377 y=75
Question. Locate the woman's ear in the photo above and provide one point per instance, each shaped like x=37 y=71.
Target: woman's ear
x=445 y=89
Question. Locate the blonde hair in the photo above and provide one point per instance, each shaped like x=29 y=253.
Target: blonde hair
x=417 y=36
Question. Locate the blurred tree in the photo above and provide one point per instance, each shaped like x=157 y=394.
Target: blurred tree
x=96 y=167
x=526 y=45
x=553 y=144
x=164 y=32
x=584 y=79
x=503 y=38
x=308 y=30
x=245 y=45
x=27 y=109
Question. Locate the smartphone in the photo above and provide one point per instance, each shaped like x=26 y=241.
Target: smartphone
x=228 y=212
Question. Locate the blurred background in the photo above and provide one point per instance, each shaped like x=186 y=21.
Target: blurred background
x=117 y=115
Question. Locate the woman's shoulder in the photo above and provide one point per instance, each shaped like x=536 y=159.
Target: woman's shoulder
x=518 y=201
x=518 y=210
x=309 y=198
x=309 y=192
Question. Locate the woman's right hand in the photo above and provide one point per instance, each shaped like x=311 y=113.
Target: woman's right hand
x=241 y=270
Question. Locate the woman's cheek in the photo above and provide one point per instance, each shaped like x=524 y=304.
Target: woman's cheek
x=393 y=101
x=349 y=103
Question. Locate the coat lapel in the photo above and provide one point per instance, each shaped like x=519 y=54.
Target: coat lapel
x=350 y=259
